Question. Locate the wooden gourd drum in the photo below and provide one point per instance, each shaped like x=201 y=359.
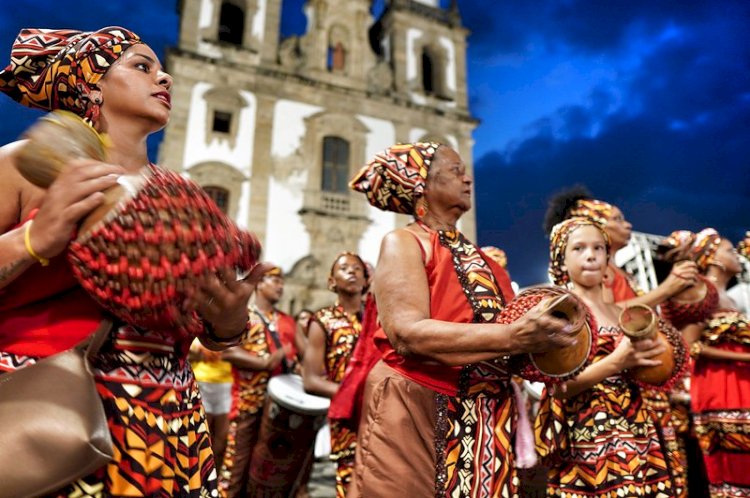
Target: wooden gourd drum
x=558 y=364
x=145 y=250
x=640 y=322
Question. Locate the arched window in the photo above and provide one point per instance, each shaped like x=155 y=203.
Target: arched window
x=335 y=165
x=231 y=23
x=336 y=57
x=428 y=73
x=219 y=195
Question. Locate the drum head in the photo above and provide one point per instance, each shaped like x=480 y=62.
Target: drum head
x=287 y=391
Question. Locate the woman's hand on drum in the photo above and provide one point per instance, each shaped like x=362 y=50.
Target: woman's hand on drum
x=73 y=195
x=684 y=274
x=642 y=353
x=538 y=331
x=222 y=299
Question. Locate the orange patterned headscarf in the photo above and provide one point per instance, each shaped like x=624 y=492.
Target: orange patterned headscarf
x=704 y=248
x=497 y=255
x=395 y=178
x=57 y=68
x=598 y=211
x=559 y=243
x=677 y=245
x=743 y=246
x=274 y=271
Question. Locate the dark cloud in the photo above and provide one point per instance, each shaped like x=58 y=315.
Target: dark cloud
x=585 y=25
x=673 y=155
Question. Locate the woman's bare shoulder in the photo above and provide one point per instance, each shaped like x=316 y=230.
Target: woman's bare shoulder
x=12 y=186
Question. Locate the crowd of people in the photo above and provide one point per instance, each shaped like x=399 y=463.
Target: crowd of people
x=413 y=353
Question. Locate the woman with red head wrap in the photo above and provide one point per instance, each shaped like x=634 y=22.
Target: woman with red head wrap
x=720 y=383
x=115 y=83
x=438 y=301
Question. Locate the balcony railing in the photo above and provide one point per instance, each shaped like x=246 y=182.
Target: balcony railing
x=333 y=203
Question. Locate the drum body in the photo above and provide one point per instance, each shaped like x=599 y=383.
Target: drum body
x=558 y=364
x=640 y=322
x=291 y=419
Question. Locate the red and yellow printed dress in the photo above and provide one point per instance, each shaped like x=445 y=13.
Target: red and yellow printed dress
x=249 y=389
x=720 y=397
x=671 y=418
x=151 y=399
x=429 y=429
x=603 y=442
x=342 y=332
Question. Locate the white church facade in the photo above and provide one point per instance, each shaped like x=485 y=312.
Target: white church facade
x=274 y=129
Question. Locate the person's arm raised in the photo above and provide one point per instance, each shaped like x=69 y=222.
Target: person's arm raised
x=403 y=297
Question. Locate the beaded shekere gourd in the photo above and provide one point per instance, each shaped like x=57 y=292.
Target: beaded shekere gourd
x=157 y=235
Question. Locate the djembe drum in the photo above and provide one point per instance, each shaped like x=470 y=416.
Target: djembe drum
x=291 y=419
x=562 y=363
x=145 y=250
x=694 y=304
x=640 y=322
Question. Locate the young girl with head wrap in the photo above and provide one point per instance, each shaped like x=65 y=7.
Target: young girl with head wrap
x=114 y=81
x=595 y=433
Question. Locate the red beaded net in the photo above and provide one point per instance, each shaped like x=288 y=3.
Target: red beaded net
x=524 y=364
x=683 y=313
x=146 y=257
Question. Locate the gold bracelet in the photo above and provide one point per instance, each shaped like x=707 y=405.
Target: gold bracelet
x=696 y=349
x=29 y=249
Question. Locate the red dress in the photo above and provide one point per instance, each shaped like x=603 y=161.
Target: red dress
x=720 y=394
x=433 y=430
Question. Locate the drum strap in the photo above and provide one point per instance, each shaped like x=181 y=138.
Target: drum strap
x=270 y=325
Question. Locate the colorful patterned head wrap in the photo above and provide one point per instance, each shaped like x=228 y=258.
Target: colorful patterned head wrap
x=704 y=248
x=274 y=271
x=598 y=211
x=497 y=255
x=743 y=246
x=559 y=242
x=394 y=179
x=57 y=68
x=677 y=245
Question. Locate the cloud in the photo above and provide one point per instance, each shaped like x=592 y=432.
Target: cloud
x=667 y=143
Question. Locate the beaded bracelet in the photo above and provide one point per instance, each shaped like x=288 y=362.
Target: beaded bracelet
x=27 y=242
x=209 y=337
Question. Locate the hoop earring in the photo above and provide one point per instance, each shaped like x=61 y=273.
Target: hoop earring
x=421 y=209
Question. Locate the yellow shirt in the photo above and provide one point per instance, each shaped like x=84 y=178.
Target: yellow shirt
x=216 y=372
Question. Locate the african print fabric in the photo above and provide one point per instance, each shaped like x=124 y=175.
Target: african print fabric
x=603 y=442
x=394 y=178
x=474 y=433
x=156 y=418
x=342 y=332
x=57 y=68
x=720 y=394
x=666 y=415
